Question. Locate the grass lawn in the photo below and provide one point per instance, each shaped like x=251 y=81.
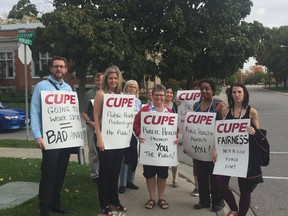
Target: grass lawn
x=17 y=143
x=78 y=193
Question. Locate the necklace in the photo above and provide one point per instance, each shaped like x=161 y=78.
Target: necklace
x=241 y=113
x=208 y=108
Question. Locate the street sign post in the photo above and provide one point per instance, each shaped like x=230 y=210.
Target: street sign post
x=26 y=37
x=25 y=41
x=25 y=56
x=22 y=52
x=26 y=34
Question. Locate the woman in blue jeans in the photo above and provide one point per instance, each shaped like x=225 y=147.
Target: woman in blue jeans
x=129 y=162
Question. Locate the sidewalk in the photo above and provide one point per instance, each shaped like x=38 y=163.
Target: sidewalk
x=179 y=199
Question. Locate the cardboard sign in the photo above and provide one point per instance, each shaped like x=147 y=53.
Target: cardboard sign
x=198 y=135
x=117 y=120
x=159 y=131
x=187 y=99
x=232 y=147
x=61 y=120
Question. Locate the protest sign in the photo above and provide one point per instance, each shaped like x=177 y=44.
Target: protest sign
x=61 y=120
x=198 y=135
x=117 y=120
x=159 y=131
x=232 y=147
x=187 y=99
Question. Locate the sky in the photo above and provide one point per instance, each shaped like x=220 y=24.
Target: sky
x=271 y=13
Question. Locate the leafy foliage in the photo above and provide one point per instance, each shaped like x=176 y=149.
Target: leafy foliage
x=23 y=8
x=85 y=39
x=274 y=56
x=171 y=39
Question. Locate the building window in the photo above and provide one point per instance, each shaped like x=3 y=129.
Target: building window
x=6 y=65
x=42 y=64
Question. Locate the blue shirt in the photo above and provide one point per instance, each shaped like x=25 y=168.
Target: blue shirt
x=138 y=104
x=152 y=108
x=36 y=115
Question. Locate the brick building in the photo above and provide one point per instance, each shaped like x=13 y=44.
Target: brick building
x=11 y=68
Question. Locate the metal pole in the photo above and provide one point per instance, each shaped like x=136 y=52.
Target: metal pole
x=26 y=92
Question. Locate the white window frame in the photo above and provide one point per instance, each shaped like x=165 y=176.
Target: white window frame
x=5 y=73
x=43 y=57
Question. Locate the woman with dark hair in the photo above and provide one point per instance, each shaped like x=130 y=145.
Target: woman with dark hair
x=205 y=168
x=238 y=99
x=169 y=103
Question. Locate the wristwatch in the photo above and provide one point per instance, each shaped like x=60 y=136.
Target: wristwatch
x=88 y=122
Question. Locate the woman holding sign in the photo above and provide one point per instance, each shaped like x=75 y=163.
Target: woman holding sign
x=238 y=99
x=173 y=106
x=206 y=180
x=150 y=171
x=109 y=160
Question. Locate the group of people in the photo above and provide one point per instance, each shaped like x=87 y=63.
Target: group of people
x=107 y=166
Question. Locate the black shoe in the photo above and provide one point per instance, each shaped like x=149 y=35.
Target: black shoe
x=218 y=207
x=132 y=186
x=121 y=189
x=61 y=210
x=95 y=180
x=199 y=206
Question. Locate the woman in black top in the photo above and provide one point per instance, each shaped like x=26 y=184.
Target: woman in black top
x=238 y=99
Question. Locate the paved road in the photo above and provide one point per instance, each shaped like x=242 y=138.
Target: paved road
x=16 y=134
x=270 y=198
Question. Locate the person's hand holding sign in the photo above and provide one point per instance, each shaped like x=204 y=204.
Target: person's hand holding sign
x=40 y=143
x=100 y=144
x=251 y=130
x=141 y=139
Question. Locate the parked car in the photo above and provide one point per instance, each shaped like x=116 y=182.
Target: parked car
x=11 y=118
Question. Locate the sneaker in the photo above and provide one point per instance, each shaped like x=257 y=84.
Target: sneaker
x=132 y=186
x=95 y=180
x=195 y=192
x=218 y=206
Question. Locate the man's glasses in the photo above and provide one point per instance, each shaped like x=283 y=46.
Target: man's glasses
x=59 y=66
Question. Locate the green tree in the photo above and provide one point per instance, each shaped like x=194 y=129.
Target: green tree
x=23 y=8
x=255 y=78
x=274 y=56
x=168 y=38
x=87 y=41
x=196 y=38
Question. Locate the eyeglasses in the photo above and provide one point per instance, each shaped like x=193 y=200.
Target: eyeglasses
x=59 y=66
x=159 y=95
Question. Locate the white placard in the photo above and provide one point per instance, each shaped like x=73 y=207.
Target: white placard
x=159 y=131
x=198 y=135
x=61 y=120
x=232 y=147
x=187 y=99
x=117 y=120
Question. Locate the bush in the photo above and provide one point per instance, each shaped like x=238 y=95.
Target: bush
x=17 y=96
x=143 y=97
